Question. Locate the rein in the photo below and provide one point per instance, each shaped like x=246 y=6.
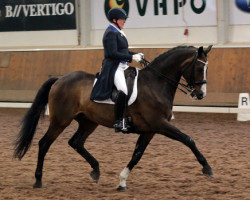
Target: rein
x=188 y=87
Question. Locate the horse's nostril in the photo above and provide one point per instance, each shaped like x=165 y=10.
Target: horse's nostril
x=200 y=95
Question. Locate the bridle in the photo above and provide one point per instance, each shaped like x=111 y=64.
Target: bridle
x=192 y=79
x=188 y=87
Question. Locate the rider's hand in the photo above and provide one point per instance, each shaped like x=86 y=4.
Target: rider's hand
x=137 y=57
x=142 y=55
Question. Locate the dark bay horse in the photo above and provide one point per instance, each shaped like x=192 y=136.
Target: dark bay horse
x=69 y=99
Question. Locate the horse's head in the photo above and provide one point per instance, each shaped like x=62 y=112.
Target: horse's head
x=195 y=73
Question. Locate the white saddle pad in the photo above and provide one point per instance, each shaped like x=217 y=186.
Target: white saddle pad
x=132 y=97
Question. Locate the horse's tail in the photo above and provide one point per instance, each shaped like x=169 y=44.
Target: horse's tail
x=30 y=120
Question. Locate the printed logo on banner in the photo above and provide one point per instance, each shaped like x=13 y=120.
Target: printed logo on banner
x=108 y=4
x=34 y=15
x=157 y=13
x=243 y=5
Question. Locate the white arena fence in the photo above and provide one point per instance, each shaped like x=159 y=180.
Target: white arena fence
x=198 y=109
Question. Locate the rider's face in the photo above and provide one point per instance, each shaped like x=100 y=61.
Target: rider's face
x=121 y=23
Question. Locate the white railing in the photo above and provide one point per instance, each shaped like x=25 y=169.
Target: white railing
x=197 y=109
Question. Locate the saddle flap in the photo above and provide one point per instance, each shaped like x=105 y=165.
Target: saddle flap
x=130 y=73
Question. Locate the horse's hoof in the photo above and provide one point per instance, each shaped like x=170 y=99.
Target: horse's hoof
x=120 y=188
x=38 y=184
x=95 y=175
x=208 y=172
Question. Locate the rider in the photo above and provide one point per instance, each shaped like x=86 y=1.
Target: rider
x=116 y=56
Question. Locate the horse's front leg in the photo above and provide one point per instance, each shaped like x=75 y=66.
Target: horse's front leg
x=174 y=133
x=140 y=147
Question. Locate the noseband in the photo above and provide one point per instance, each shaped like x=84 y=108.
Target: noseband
x=188 y=87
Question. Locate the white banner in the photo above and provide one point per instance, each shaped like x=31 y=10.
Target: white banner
x=239 y=12
x=157 y=13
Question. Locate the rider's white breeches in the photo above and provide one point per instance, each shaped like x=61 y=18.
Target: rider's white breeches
x=119 y=80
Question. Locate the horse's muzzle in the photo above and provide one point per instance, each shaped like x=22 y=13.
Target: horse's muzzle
x=197 y=94
x=200 y=96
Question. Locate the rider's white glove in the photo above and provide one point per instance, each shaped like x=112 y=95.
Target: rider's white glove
x=137 y=57
x=142 y=55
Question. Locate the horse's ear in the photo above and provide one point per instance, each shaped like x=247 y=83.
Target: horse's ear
x=208 y=49
x=200 y=50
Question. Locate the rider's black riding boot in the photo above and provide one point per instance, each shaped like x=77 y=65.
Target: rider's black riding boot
x=120 y=106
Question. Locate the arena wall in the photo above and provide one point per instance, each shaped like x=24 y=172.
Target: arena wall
x=23 y=72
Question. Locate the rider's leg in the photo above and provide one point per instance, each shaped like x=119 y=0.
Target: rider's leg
x=119 y=80
x=120 y=105
x=121 y=101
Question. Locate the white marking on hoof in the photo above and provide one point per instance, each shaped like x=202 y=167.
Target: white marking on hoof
x=123 y=177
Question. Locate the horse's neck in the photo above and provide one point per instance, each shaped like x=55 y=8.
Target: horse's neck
x=163 y=77
x=172 y=65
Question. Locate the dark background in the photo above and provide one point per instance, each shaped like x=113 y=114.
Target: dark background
x=35 y=23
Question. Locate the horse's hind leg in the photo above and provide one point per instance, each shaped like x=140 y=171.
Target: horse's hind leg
x=44 y=145
x=176 y=134
x=140 y=147
x=86 y=127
